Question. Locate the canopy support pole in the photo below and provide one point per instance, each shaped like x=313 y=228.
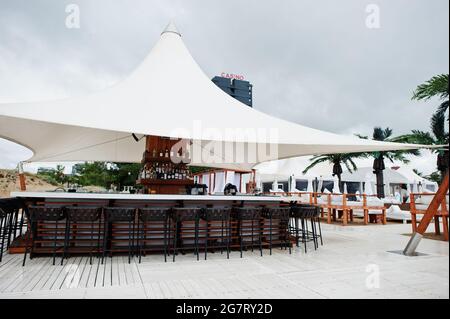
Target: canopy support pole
x=410 y=249
x=22 y=180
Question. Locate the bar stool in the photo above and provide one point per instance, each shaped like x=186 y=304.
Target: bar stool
x=115 y=218
x=186 y=228
x=40 y=217
x=279 y=221
x=154 y=226
x=218 y=229
x=249 y=222
x=9 y=222
x=81 y=229
x=2 y=231
x=303 y=214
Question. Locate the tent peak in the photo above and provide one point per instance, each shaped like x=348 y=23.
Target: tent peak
x=171 y=28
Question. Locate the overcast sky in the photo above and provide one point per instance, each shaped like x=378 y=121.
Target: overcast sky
x=312 y=62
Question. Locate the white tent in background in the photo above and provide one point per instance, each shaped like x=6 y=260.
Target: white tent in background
x=166 y=95
x=368 y=190
x=393 y=176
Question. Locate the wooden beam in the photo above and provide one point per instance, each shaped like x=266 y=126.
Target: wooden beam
x=434 y=206
x=410 y=249
x=22 y=179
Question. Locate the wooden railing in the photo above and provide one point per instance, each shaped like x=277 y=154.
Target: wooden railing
x=436 y=209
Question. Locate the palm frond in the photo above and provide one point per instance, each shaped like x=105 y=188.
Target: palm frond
x=315 y=161
x=436 y=86
x=438 y=125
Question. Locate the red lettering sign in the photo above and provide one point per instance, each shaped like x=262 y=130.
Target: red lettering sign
x=232 y=76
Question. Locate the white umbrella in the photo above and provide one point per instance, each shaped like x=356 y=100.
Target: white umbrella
x=336 y=188
x=345 y=188
x=320 y=185
x=310 y=188
x=293 y=183
x=368 y=185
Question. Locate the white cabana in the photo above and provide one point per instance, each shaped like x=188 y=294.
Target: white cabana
x=392 y=177
x=368 y=190
x=167 y=95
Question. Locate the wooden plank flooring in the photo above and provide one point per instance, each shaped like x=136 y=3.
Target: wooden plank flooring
x=336 y=269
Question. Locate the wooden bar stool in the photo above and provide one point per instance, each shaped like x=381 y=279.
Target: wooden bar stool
x=249 y=227
x=218 y=229
x=154 y=227
x=44 y=229
x=83 y=231
x=119 y=222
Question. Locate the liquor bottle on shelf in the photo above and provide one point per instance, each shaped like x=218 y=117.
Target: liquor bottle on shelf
x=154 y=153
x=167 y=153
x=161 y=154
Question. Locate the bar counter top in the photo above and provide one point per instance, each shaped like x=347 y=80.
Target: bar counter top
x=122 y=196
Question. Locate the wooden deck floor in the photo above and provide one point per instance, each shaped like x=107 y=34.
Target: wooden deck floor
x=336 y=270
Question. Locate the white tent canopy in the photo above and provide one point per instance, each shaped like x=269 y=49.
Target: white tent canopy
x=167 y=95
x=397 y=175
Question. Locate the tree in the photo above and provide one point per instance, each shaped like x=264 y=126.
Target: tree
x=92 y=174
x=385 y=135
x=105 y=174
x=437 y=86
x=337 y=160
x=438 y=137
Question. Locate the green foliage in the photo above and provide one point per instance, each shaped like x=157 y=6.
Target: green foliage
x=53 y=176
x=436 y=86
x=105 y=174
x=337 y=160
x=385 y=135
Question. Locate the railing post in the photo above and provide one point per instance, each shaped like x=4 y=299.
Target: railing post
x=22 y=181
x=411 y=247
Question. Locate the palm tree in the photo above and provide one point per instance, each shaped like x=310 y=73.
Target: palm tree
x=437 y=86
x=439 y=137
x=337 y=160
x=385 y=135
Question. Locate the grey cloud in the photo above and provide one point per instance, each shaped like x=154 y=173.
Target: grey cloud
x=311 y=62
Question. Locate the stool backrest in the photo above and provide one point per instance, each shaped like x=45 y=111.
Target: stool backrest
x=42 y=213
x=119 y=214
x=282 y=213
x=186 y=214
x=216 y=213
x=248 y=213
x=154 y=214
x=83 y=214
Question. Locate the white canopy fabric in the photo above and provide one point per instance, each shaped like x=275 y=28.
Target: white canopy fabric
x=401 y=175
x=167 y=95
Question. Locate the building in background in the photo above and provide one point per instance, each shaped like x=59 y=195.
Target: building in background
x=235 y=86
